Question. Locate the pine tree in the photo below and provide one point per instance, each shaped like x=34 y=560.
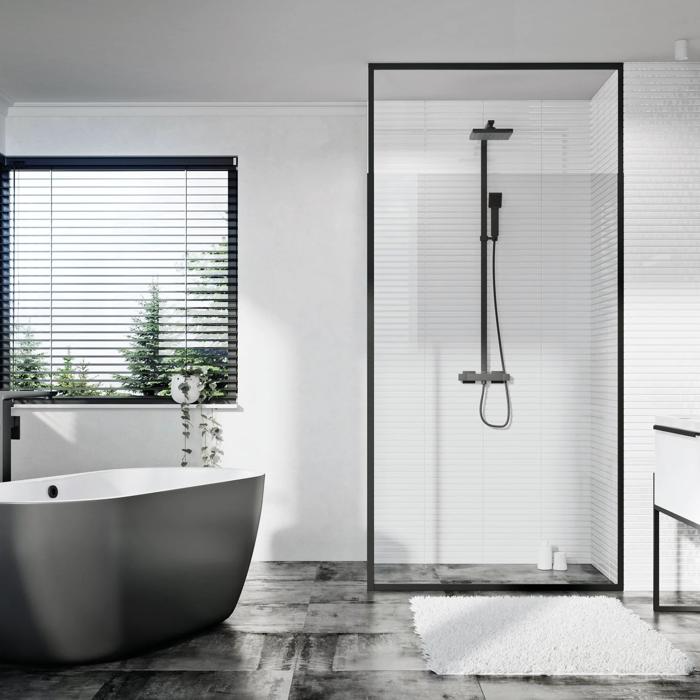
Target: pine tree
x=207 y=318
x=147 y=374
x=74 y=380
x=28 y=364
x=84 y=386
x=64 y=378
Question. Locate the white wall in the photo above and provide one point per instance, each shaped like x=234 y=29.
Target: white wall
x=662 y=297
x=604 y=339
x=301 y=315
x=4 y=104
x=449 y=489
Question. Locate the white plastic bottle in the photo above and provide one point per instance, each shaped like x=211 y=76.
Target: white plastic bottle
x=544 y=557
x=559 y=561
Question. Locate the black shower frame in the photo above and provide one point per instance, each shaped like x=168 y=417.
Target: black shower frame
x=372 y=585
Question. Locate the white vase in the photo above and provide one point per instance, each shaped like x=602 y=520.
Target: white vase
x=544 y=556
x=185 y=388
x=559 y=561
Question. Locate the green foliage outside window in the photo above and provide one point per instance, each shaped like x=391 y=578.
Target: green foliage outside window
x=73 y=379
x=28 y=363
x=149 y=366
x=147 y=373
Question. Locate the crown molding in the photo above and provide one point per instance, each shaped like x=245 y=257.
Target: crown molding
x=186 y=109
x=5 y=104
x=662 y=65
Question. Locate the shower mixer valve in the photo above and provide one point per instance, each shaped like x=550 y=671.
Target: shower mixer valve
x=495 y=377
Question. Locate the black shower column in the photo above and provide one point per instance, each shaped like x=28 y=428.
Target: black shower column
x=484 y=258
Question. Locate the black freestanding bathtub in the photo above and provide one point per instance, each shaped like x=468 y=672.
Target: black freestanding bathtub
x=105 y=564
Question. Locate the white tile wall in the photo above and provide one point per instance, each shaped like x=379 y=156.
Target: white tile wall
x=604 y=337
x=447 y=488
x=662 y=298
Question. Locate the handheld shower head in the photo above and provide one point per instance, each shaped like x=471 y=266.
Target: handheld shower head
x=495 y=200
x=490 y=133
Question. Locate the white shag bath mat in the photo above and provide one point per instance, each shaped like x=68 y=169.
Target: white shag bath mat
x=540 y=635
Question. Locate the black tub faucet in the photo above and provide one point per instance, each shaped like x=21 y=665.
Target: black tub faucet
x=9 y=424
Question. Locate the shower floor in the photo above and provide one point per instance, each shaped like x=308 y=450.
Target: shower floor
x=505 y=574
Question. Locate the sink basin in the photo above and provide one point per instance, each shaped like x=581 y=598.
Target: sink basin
x=677 y=474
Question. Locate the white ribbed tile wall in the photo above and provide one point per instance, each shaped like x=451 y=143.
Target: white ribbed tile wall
x=662 y=298
x=604 y=337
x=447 y=488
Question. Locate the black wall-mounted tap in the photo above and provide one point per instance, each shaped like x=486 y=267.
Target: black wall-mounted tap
x=9 y=428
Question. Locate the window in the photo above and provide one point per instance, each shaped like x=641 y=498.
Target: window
x=118 y=273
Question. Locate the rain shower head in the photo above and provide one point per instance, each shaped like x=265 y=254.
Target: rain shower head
x=490 y=133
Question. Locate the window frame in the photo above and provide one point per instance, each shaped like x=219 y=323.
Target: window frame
x=8 y=164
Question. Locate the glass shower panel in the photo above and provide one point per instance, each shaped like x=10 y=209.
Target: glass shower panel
x=457 y=502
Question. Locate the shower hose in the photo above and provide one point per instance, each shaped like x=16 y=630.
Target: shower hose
x=482 y=401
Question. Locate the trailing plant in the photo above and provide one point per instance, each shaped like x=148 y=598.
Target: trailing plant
x=211 y=436
x=208 y=364
x=195 y=385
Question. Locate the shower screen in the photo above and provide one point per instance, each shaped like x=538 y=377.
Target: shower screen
x=495 y=336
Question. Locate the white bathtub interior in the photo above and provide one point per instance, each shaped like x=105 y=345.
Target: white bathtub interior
x=116 y=483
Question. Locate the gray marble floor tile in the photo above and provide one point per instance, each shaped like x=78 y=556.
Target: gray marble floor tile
x=55 y=685
x=405 y=573
x=79 y=669
x=283 y=570
x=517 y=574
x=356 y=592
x=679 y=597
x=266 y=591
x=685 y=641
x=694 y=657
x=280 y=651
x=219 y=649
x=342 y=571
x=317 y=653
x=383 y=685
x=339 y=592
x=371 y=618
x=589 y=687
x=667 y=623
x=268 y=618
x=189 y=685
x=312 y=627
x=378 y=652
x=682 y=623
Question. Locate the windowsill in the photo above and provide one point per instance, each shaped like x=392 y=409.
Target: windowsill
x=78 y=406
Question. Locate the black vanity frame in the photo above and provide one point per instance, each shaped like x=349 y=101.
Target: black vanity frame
x=371 y=583
x=226 y=163
x=657 y=606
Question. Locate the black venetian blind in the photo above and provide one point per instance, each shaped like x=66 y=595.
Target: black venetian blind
x=117 y=273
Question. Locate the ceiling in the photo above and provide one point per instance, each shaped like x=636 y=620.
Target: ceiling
x=520 y=84
x=251 y=50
